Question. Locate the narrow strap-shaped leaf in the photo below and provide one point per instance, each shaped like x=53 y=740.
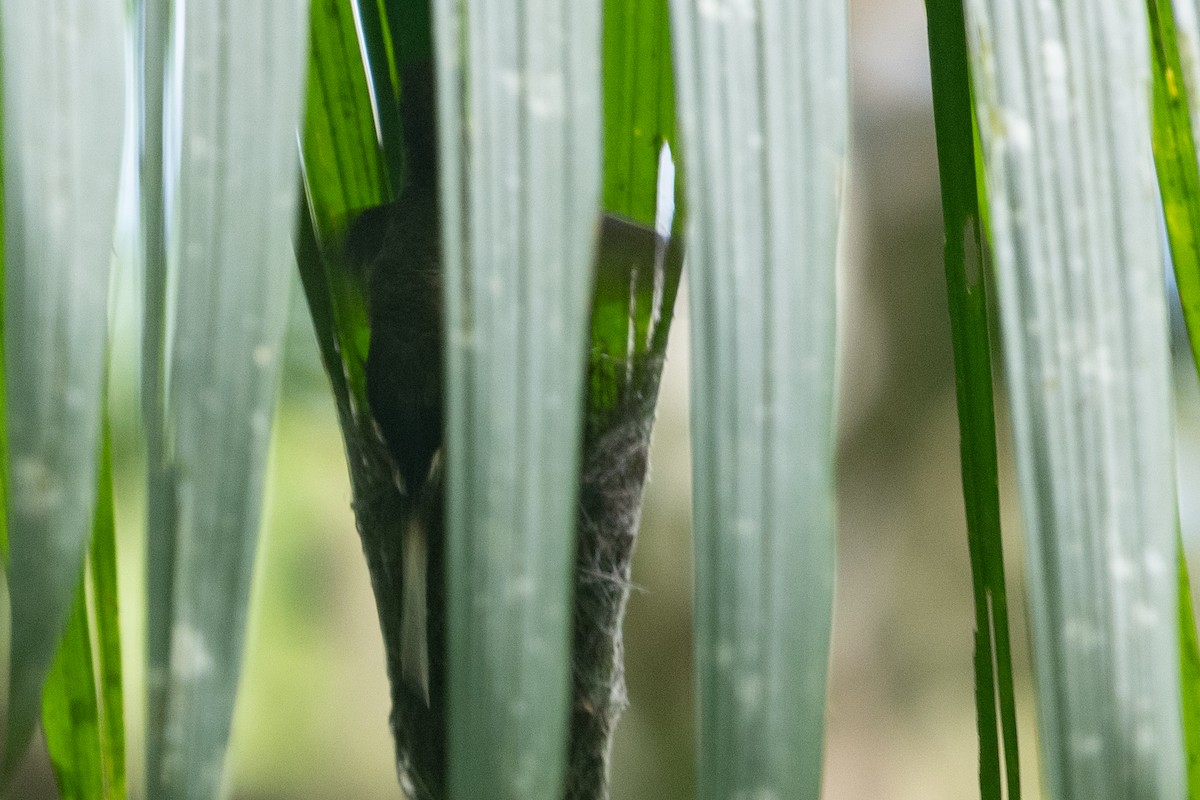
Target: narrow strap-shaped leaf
x=519 y=128
x=344 y=173
x=151 y=23
x=239 y=101
x=763 y=105
x=343 y=167
x=83 y=703
x=1189 y=663
x=63 y=97
x=639 y=104
x=70 y=713
x=1175 y=45
x=966 y=284
x=106 y=616
x=1062 y=94
x=380 y=57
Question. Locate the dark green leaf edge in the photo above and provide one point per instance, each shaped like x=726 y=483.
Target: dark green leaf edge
x=966 y=286
x=1189 y=664
x=1175 y=161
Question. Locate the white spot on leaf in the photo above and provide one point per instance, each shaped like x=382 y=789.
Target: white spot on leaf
x=264 y=354
x=190 y=656
x=1054 y=60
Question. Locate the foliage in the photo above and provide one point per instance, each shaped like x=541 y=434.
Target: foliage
x=558 y=254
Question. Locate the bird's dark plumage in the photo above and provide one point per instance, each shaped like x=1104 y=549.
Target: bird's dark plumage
x=404 y=364
x=398 y=246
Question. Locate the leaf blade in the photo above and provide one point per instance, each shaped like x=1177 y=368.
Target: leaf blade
x=1174 y=31
x=1079 y=271
x=83 y=702
x=62 y=149
x=516 y=256
x=763 y=188
x=241 y=90
x=966 y=283
x=70 y=715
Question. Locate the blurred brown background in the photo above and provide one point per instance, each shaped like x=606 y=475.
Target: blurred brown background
x=312 y=720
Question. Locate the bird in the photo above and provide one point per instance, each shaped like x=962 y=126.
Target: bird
x=398 y=246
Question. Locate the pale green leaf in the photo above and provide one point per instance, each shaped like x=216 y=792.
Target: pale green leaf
x=232 y=206
x=64 y=109
x=520 y=189
x=1062 y=94
x=763 y=104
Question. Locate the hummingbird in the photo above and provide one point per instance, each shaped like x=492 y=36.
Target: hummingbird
x=398 y=245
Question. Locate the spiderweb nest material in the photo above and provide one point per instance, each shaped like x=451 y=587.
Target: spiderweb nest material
x=615 y=466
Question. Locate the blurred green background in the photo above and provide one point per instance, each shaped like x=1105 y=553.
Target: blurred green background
x=312 y=719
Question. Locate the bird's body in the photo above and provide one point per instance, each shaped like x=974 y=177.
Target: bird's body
x=398 y=245
x=404 y=363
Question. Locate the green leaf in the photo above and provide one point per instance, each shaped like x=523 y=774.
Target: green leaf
x=344 y=173
x=62 y=143
x=70 y=714
x=384 y=81
x=1175 y=147
x=1062 y=96
x=343 y=166
x=635 y=280
x=520 y=199
x=639 y=104
x=764 y=147
x=966 y=285
x=106 y=616
x=1189 y=663
x=1179 y=189
x=240 y=90
x=84 y=720
x=151 y=22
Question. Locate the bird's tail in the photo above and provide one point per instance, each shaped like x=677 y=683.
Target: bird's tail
x=414 y=620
